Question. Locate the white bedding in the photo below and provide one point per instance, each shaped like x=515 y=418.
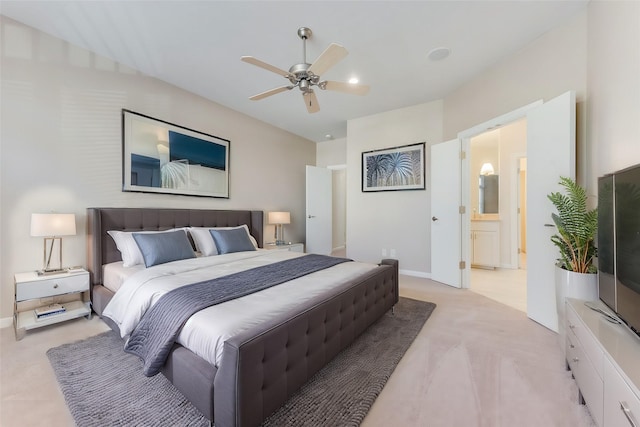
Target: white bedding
x=206 y=331
x=115 y=274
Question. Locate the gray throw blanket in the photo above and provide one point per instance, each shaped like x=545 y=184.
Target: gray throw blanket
x=156 y=333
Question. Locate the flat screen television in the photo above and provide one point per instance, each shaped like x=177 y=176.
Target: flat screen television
x=619 y=244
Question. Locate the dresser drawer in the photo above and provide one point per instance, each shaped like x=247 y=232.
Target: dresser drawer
x=621 y=405
x=589 y=382
x=589 y=343
x=52 y=286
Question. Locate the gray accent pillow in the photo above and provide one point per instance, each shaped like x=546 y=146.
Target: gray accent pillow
x=233 y=240
x=159 y=248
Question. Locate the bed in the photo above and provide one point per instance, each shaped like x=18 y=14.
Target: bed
x=259 y=368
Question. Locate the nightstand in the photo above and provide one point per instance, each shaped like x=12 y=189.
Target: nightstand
x=293 y=247
x=69 y=289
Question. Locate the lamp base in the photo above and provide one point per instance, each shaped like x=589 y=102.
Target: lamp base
x=50 y=271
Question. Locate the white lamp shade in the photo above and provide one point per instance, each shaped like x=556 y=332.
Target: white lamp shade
x=486 y=169
x=49 y=225
x=279 y=218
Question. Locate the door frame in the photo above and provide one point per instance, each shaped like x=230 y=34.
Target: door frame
x=465 y=138
x=515 y=213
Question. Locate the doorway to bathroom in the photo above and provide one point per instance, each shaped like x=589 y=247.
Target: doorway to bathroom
x=497 y=193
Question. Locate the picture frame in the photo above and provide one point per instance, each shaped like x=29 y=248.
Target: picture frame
x=394 y=169
x=162 y=157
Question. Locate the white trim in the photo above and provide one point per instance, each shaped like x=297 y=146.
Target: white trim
x=515 y=196
x=337 y=167
x=499 y=121
x=5 y=322
x=465 y=139
x=414 y=273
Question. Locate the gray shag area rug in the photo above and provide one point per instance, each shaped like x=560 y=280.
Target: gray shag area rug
x=103 y=385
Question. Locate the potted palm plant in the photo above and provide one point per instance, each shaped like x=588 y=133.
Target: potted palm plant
x=575 y=239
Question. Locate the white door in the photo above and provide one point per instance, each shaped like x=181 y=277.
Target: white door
x=550 y=154
x=445 y=213
x=319 y=224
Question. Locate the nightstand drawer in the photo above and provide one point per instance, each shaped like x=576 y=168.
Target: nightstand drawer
x=52 y=286
x=293 y=247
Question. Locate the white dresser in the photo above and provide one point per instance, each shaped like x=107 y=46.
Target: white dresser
x=605 y=361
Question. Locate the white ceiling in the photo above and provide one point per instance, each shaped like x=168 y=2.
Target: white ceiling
x=197 y=45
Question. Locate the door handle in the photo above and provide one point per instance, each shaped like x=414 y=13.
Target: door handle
x=627 y=413
x=549 y=225
x=311 y=216
x=434 y=218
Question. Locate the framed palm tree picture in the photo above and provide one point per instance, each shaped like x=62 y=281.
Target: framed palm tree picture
x=392 y=169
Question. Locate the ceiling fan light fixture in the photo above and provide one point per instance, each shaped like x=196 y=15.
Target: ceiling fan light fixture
x=439 y=53
x=305 y=76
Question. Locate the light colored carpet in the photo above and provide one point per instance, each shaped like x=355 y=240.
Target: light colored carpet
x=480 y=363
x=105 y=386
x=492 y=335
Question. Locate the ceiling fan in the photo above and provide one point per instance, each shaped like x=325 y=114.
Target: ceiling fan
x=305 y=76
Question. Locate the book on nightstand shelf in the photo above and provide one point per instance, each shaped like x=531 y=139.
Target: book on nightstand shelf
x=49 y=310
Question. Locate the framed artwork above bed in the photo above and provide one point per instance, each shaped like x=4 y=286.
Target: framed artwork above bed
x=396 y=168
x=162 y=157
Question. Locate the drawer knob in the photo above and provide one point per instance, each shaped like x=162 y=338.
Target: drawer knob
x=627 y=413
x=571 y=326
x=572 y=346
x=575 y=359
x=55 y=286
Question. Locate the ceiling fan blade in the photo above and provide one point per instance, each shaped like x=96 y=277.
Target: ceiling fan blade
x=269 y=93
x=262 y=64
x=311 y=101
x=327 y=59
x=351 y=88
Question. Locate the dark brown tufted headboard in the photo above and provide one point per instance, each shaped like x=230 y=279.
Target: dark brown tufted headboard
x=101 y=249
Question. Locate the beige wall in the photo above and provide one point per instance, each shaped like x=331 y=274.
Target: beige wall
x=333 y=154
x=61 y=146
x=613 y=104
x=553 y=64
x=596 y=54
x=391 y=219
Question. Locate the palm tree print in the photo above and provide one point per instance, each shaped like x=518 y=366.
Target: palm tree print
x=377 y=169
x=394 y=169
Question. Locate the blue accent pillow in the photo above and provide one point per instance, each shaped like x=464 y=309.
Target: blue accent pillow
x=159 y=248
x=232 y=240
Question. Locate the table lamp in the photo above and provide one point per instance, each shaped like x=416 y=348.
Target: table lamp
x=279 y=218
x=52 y=226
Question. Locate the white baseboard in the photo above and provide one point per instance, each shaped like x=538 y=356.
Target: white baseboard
x=5 y=322
x=413 y=273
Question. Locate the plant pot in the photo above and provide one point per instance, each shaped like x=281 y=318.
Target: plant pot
x=569 y=284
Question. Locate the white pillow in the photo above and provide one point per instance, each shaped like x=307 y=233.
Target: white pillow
x=204 y=241
x=128 y=247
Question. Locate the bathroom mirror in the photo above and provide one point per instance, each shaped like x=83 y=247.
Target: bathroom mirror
x=488 y=194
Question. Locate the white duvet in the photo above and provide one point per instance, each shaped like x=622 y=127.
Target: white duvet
x=206 y=331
